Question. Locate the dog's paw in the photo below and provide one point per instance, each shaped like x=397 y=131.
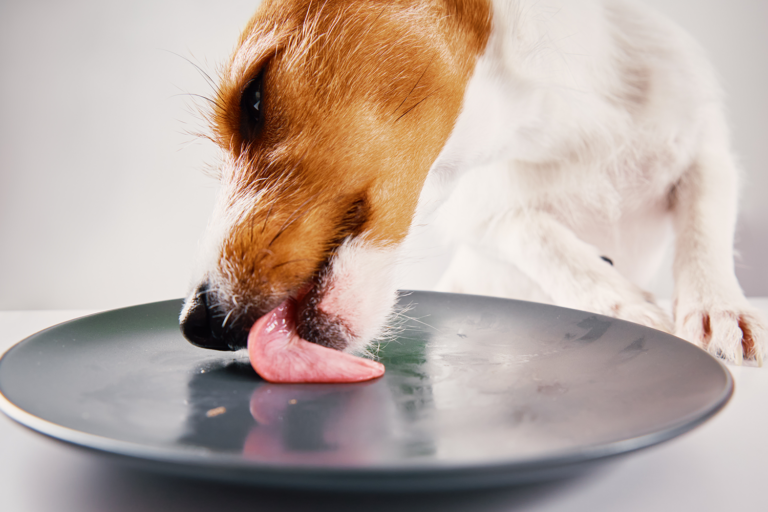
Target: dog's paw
x=633 y=305
x=644 y=312
x=733 y=334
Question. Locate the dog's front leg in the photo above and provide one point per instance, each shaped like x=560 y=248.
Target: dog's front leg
x=709 y=306
x=569 y=270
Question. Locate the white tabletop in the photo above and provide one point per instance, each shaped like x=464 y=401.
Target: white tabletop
x=719 y=466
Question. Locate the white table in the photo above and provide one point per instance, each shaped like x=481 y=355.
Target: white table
x=719 y=466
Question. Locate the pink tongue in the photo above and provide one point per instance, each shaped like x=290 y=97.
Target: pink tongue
x=278 y=354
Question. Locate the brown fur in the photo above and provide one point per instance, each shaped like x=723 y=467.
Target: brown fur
x=358 y=99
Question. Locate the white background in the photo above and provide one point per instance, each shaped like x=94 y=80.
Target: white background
x=103 y=194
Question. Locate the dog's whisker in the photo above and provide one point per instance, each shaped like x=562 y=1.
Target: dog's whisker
x=226 y=318
x=417 y=104
x=413 y=88
x=271 y=207
x=290 y=261
x=203 y=97
x=293 y=219
x=206 y=76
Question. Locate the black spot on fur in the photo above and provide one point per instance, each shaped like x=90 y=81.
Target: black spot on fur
x=316 y=326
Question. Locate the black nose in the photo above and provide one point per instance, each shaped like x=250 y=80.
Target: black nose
x=205 y=326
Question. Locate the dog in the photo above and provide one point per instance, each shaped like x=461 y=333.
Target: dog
x=561 y=145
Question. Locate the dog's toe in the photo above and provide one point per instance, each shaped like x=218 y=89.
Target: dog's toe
x=732 y=334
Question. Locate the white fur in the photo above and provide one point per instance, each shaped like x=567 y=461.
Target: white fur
x=583 y=121
x=232 y=207
x=361 y=291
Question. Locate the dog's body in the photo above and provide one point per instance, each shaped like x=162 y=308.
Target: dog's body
x=595 y=141
x=544 y=137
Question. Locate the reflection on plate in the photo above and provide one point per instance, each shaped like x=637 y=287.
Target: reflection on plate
x=478 y=392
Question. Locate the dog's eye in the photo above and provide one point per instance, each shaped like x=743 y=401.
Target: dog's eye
x=252 y=108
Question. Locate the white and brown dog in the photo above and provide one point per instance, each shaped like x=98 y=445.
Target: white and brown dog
x=542 y=135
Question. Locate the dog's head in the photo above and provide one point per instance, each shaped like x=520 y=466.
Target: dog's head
x=330 y=115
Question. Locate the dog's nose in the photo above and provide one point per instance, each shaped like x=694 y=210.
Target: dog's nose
x=200 y=324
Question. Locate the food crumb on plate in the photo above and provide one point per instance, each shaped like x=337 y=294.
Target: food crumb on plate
x=216 y=411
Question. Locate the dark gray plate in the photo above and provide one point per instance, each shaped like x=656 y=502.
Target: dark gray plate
x=478 y=392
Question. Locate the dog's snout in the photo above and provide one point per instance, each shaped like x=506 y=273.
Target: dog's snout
x=201 y=326
x=195 y=319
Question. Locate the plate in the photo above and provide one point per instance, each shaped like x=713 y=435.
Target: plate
x=478 y=392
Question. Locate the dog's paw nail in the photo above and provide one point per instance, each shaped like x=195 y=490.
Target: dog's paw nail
x=735 y=336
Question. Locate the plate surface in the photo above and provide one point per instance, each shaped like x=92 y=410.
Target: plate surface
x=478 y=392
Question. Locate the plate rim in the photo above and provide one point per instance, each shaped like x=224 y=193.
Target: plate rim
x=201 y=461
